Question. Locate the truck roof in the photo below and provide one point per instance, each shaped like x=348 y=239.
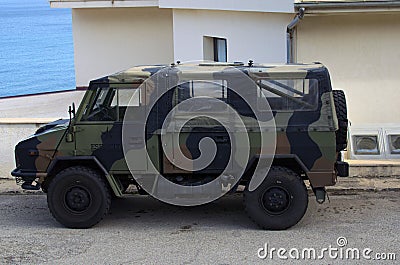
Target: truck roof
x=190 y=71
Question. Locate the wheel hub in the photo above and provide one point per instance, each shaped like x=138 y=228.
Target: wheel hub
x=77 y=199
x=276 y=200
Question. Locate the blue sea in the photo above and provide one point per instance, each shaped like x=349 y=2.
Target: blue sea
x=36 y=48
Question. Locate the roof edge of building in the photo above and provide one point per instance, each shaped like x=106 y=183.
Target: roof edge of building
x=348 y=6
x=271 y=6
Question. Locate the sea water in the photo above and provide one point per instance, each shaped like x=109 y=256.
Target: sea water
x=36 y=48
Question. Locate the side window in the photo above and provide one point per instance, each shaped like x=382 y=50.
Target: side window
x=131 y=97
x=102 y=106
x=200 y=88
x=110 y=103
x=289 y=94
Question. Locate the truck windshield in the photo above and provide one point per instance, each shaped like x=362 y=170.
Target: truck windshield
x=110 y=103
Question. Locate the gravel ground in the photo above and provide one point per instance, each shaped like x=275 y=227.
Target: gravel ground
x=143 y=230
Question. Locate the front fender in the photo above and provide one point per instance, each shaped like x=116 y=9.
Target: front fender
x=61 y=163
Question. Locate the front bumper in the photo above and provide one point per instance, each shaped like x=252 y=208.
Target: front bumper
x=27 y=175
x=26 y=179
x=18 y=173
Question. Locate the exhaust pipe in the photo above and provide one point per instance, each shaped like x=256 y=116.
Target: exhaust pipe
x=289 y=35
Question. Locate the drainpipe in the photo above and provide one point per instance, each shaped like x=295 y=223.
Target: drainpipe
x=289 y=35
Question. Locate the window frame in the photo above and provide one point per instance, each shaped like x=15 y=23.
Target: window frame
x=90 y=102
x=216 y=50
x=314 y=107
x=221 y=83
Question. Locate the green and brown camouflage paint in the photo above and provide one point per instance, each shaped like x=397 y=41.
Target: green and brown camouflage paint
x=306 y=138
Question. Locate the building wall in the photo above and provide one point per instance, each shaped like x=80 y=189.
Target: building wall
x=12 y=134
x=107 y=40
x=363 y=56
x=21 y=116
x=250 y=35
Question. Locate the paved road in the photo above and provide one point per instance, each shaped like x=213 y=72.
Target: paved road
x=141 y=230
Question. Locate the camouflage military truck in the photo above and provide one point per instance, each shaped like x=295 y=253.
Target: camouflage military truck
x=122 y=135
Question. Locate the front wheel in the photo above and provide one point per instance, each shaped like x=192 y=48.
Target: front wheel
x=279 y=202
x=78 y=197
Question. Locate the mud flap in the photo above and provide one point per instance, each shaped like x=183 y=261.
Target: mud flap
x=342 y=168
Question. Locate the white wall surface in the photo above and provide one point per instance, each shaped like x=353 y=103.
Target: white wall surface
x=107 y=40
x=250 y=35
x=51 y=106
x=12 y=133
x=363 y=56
x=22 y=116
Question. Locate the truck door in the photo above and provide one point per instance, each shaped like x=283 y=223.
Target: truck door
x=185 y=133
x=99 y=129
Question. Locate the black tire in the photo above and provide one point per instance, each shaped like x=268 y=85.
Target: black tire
x=341 y=113
x=78 y=197
x=279 y=202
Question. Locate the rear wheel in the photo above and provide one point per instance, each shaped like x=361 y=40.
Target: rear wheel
x=78 y=197
x=279 y=202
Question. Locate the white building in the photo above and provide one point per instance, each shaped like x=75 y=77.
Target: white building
x=359 y=43
x=113 y=35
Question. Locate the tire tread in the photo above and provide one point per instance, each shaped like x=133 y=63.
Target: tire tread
x=98 y=177
x=341 y=113
x=281 y=171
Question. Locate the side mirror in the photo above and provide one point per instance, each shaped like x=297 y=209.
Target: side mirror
x=71 y=110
